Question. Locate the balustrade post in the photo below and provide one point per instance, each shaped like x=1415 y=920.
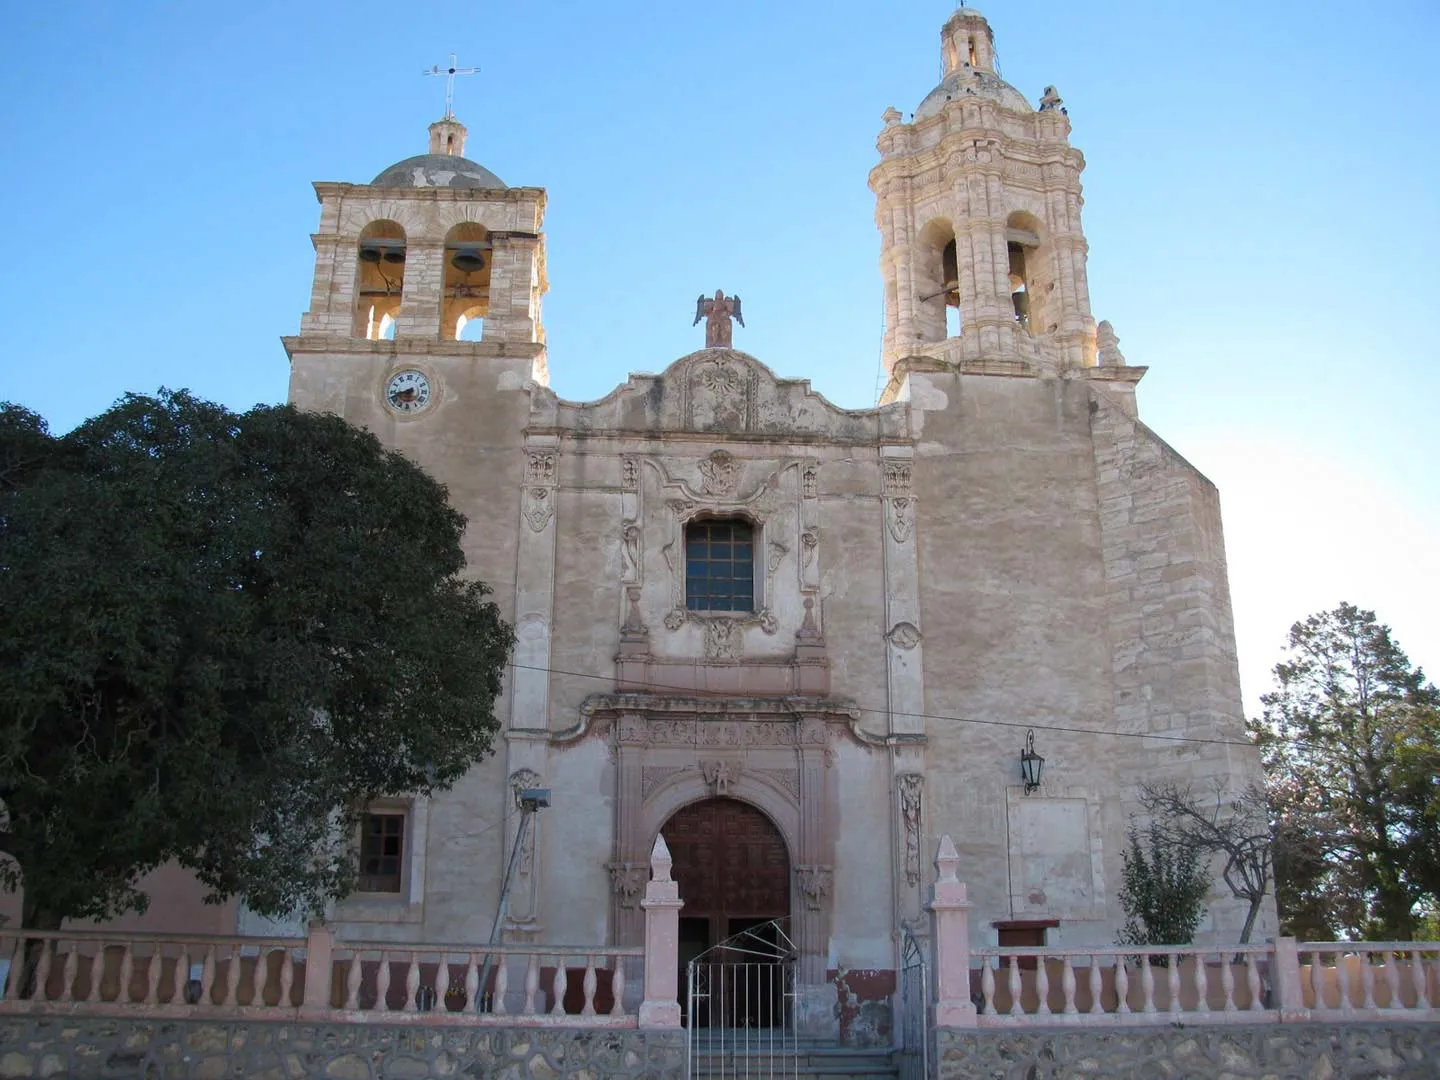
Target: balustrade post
x=662 y=904
x=950 y=932
x=319 y=966
x=1285 y=981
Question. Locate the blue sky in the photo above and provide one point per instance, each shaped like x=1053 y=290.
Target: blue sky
x=1260 y=204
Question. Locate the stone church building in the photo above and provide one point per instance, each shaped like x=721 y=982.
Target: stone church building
x=800 y=641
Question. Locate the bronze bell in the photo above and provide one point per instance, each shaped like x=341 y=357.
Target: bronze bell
x=395 y=255
x=369 y=254
x=467 y=262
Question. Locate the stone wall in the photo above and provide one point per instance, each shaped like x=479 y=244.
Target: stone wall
x=83 y=1047
x=1274 y=1052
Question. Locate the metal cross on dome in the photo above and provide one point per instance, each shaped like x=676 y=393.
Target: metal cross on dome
x=450 y=72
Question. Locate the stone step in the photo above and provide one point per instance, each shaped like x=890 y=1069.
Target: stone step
x=815 y=1062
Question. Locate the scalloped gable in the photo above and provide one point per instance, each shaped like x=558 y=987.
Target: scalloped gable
x=723 y=391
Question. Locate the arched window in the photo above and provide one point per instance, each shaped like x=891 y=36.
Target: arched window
x=379 y=279
x=938 y=283
x=467 y=281
x=1029 y=277
x=720 y=564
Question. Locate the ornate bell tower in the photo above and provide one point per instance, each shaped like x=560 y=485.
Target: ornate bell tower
x=978 y=204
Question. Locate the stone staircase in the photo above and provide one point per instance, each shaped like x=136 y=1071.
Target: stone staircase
x=812 y=1060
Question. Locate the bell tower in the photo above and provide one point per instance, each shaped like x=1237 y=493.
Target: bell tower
x=978 y=205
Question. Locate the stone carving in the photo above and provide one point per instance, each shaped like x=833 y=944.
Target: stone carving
x=634 y=625
x=897 y=478
x=901 y=513
x=1107 y=345
x=627 y=882
x=681 y=508
x=809 y=544
x=629 y=473
x=808 y=630
x=719 y=474
x=1052 y=101
x=719 y=395
x=768 y=623
x=814 y=883
x=714 y=733
x=911 y=786
x=720 y=774
x=539 y=467
x=773 y=557
x=905 y=635
x=674 y=619
x=630 y=552
x=539 y=508
x=717 y=312
x=652 y=777
x=724 y=639
x=809 y=481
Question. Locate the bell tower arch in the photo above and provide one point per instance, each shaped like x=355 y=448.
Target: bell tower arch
x=977 y=198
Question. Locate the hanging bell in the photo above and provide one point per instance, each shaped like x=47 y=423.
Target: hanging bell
x=369 y=254
x=467 y=262
x=395 y=255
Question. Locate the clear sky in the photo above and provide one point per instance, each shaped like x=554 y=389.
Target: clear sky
x=1261 y=206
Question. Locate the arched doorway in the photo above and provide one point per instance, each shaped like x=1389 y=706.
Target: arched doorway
x=733 y=869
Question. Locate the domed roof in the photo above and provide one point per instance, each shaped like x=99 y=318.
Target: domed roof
x=437 y=170
x=966 y=81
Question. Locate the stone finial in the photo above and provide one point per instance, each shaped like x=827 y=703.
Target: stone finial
x=1107 y=346
x=947 y=861
x=891 y=116
x=660 y=860
x=1051 y=100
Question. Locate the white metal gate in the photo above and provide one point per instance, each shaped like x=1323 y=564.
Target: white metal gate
x=740 y=1006
x=914 y=1055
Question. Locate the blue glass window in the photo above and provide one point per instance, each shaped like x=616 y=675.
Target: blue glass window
x=720 y=565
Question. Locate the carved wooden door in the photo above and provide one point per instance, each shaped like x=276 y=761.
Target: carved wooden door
x=731 y=863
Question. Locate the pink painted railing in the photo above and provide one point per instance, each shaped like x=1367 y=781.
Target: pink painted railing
x=99 y=972
x=1281 y=981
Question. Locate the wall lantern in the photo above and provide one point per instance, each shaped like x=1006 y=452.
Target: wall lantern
x=1030 y=764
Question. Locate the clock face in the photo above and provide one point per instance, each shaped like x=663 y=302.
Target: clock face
x=408 y=391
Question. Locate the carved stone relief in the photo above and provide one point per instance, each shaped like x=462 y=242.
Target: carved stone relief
x=911 y=787
x=719 y=774
x=724 y=639
x=809 y=545
x=809 y=480
x=540 y=467
x=788 y=779
x=814 y=883
x=897 y=478
x=630 y=473
x=539 y=508
x=905 y=635
x=652 y=776
x=634 y=624
x=719 y=474
x=630 y=553
x=901 y=514
x=719 y=395
x=627 y=882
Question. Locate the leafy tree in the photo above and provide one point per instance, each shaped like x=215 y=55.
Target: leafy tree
x=1162 y=891
x=1350 y=740
x=1237 y=828
x=222 y=633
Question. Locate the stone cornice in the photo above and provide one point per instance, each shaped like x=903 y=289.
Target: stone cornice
x=1129 y=373
x=409 y=346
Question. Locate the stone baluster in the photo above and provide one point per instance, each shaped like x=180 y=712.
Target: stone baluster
x=1013 y=980
x=97 y=976
x=1173 y=983
x=472 y=984
x=1392 y=979
x=532 y=984
x=1342 y=980
x=1367 y=978
x=317 y=994
x=1122 y=985
x=1227 y=982
x=71 y=969
x=1252 y=981
x=127 y=970
x=1094 y=984
x=588 y=985
x=502 y=985
x=662 y=904
x=352 y=981
x=987 y=986
x=950 y=932
x=558 y=987
x=231 y=994
x=1202 y=984
x=17 y=965
x=617 y=987
x=1067 y=984
x=412 y=984
x=382 y=983
x=287 y=977
x=152 y=976
x=1421 y=978
x=1147 y=984
x=42 y=969
x=1042 y=987
x=442 y=983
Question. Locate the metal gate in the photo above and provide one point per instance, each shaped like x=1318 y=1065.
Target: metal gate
x=914 y=1055
x=740 y=1006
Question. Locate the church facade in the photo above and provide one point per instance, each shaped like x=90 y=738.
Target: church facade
x=802 y=642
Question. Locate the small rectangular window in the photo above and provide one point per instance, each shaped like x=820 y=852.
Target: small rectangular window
x=720 y=565
x=382 y=848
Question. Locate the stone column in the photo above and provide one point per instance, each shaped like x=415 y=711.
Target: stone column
x=662 y=904
x=319 y=965
x=1285 y=980
x=950 y=932
x=421 y=296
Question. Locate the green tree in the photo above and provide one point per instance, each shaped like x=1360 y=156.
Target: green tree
x=1162 y=889
x=1350 y=740
x=220 y=634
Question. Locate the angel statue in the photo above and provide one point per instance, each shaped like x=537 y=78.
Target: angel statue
x=717 y=313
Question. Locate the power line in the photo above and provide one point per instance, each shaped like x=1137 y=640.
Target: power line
x=1022 y=725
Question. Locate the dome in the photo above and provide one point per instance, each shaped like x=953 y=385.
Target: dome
x=437 y=170
x=966 y=81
